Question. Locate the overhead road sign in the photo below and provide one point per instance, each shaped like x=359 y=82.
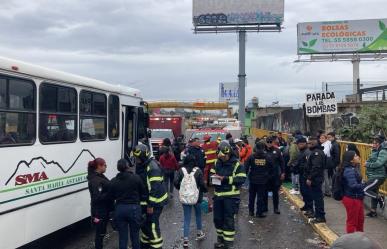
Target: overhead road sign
x=229 y=92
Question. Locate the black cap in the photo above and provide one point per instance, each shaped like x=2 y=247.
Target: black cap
x=301 y=140
x=379 y=139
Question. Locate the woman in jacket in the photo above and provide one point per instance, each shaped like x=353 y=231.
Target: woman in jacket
x=127 y=190
x=169 y=165
x=189 y=165
x=353 y=192
x=100 y=203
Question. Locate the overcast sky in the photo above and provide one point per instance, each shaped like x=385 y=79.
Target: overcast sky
x=149 y=44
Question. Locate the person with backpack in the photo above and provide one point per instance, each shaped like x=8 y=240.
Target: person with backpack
x=353 y=193
x=127 y=190
x=190 y=183
x=376 y=167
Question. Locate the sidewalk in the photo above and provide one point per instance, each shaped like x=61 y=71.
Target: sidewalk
x=375 y=228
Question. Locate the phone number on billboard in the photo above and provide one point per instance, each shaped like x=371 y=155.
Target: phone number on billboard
x=352 y=39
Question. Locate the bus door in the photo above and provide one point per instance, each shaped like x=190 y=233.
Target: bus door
x=130 y=139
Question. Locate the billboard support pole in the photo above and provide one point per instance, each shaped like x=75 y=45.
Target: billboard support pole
x=356 y=77
x=242 y=77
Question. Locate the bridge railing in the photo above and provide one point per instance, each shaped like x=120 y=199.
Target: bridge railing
x=364 y=150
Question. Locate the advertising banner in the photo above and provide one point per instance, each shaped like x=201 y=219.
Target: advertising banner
x=229 y=92
x=320 y=103
x=359 y=36
x=237 y=12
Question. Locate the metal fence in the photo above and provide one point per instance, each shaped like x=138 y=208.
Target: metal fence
x=364 y=150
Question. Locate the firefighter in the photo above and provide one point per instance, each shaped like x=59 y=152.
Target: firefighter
x=227 y=177
x=157 y=197
x=210 y=149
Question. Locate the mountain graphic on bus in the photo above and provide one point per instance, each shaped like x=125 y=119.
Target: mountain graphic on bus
x=40 y=169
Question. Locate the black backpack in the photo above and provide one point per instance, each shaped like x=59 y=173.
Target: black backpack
x=337 y=185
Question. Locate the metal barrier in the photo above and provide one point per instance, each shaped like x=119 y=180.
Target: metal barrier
x=364 y=150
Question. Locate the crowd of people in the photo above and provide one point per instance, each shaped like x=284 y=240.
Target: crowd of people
x=137 y=195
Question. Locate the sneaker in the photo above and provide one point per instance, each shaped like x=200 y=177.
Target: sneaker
x=186 y=243
x=318 y=220
x=292 y=191
x=372 y=214
x=200 y=235
x=381 y=202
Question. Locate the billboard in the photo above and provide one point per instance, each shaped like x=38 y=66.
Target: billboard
x=237 y=12
x=359 y=36
x=229 y=92
x=320 y=104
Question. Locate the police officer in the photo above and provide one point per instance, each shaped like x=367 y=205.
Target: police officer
x=301 y=164
x=314 y=179
x=258 y=166
x=227 y=178
x=157 y=197
x=277 y=173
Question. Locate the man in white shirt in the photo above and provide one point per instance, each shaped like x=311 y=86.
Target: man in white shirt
x=327 y=145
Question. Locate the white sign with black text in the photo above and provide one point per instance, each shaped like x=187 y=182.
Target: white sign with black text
x=320 y=104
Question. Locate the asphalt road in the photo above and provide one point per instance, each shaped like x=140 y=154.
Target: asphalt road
x=285 y=231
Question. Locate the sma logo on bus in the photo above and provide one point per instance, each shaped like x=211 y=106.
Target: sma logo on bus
x=30 y=178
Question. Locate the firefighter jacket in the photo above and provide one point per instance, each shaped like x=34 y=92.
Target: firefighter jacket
x=153 y=179
x=210 y=149
x=234 y=176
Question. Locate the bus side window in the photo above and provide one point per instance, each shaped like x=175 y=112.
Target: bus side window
x=17 y=111
x=93 y=116
x=114 y=117
x=58 y=114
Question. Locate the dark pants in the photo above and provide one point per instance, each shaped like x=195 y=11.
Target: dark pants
x=318 y=200
x=306 y=194
x=169 y=176
x=128 y=216
x=372 y=190
x=274 y=187
x=224 y=212
x=150 y=231
x=100 y=231
x=257 y=191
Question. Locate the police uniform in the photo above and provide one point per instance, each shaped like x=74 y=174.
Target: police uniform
x=227 y=196
x=258 y=167
x=315 y=173
x=157 y=198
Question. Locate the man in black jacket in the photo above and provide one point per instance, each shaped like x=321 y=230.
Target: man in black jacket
x=157 y=197
x=315 y=177
x=128 y=191
x=277 y=172
x=195 y=150
x=301 y=164
x=335 y=150
x=258 y=167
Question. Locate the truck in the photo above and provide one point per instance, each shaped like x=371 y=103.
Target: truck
x=175 y=123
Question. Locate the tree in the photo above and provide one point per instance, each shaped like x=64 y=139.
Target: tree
x=372 y=121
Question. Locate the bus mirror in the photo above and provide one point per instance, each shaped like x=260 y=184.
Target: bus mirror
x=146 y=120
x=149 y=133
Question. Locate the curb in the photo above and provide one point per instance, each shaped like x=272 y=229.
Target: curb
x=328 y=235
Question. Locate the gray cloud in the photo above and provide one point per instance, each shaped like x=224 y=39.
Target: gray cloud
x=149 y=44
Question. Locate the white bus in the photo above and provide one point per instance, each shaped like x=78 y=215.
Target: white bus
x=51 y=125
